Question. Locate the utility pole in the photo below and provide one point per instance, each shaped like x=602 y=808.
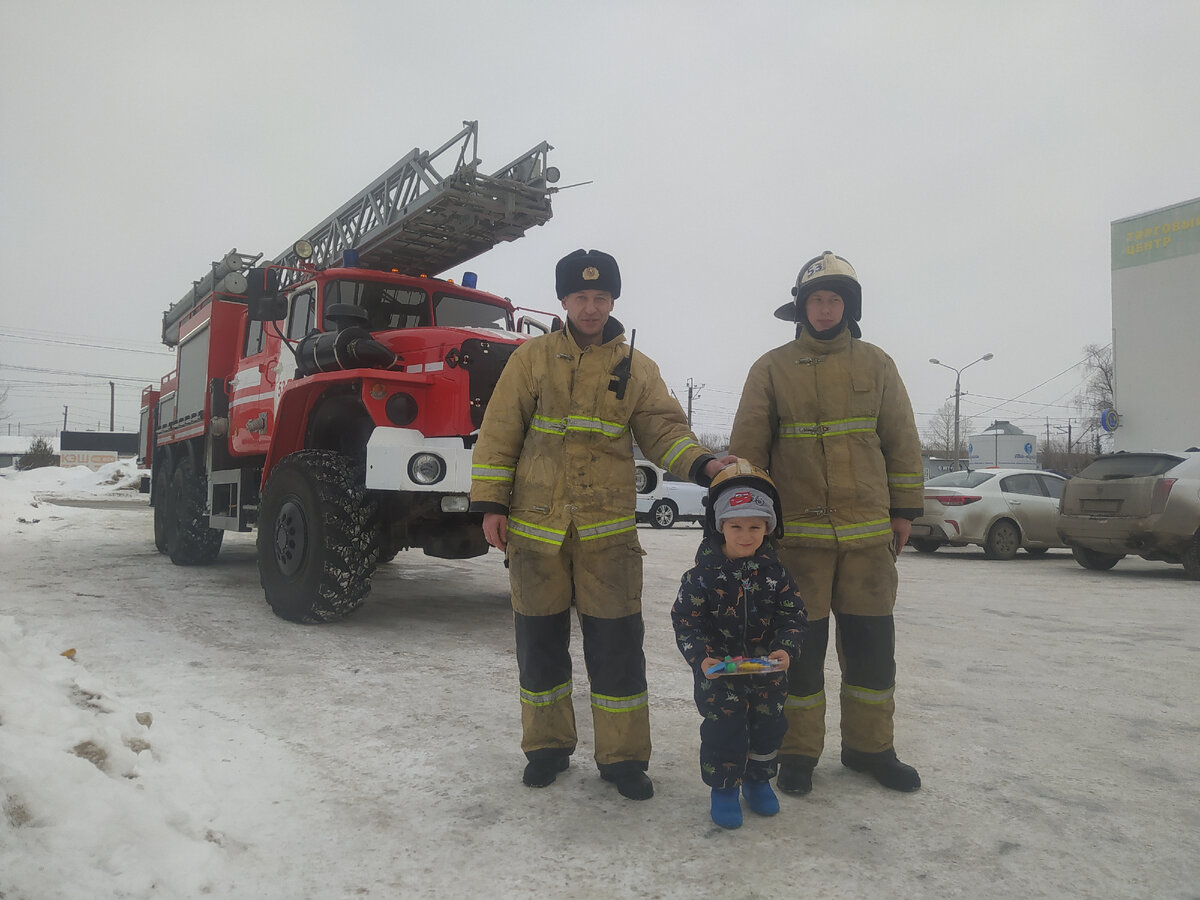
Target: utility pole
x=693 y=391
x=64 y=418
x=112 y=406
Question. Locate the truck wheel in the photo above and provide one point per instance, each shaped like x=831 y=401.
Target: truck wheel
x=189 y=540
x=162 y=507
x=1191 y=558
x=1097 y=562
x=316 y=544
x=1003 y=540
x=921 y=545
x=662 y=514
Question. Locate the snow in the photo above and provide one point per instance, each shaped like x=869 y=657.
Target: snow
x=195 y=745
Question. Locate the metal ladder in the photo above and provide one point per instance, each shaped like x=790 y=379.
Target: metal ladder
x=417 y=221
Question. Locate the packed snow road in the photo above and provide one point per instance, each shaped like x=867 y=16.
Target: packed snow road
x=1054 y=715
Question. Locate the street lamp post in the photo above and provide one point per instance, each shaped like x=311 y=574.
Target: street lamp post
x=958 y=394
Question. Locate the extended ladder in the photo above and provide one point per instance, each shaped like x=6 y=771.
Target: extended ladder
x=417 y=221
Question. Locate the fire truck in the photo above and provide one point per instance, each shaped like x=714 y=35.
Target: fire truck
x=331 y=397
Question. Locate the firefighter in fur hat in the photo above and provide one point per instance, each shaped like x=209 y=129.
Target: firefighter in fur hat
x=828 y=416
x=553 y=474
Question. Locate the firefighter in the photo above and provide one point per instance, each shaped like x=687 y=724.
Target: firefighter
x=828 y=416
x=553 y=474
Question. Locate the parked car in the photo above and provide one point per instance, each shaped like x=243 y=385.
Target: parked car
x=1001 y=510
x=663 y=499
x=1142 y=503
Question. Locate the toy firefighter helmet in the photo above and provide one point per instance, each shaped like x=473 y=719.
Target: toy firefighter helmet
x=741 y=474
x=831 y=273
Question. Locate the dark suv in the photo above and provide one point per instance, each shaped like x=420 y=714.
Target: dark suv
x=1143 y=503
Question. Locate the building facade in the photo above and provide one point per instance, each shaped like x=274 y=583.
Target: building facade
x=1156 y=329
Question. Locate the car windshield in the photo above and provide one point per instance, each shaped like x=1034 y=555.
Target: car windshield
x=460 y=312
x=962 y=479
x=1130 y=465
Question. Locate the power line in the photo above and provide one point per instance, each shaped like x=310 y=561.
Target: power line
x=34 y=337
x=130 y=378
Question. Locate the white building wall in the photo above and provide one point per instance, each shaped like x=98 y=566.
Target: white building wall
x=1156 y=328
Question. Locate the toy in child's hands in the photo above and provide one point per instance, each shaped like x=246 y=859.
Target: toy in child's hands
x=745 y=665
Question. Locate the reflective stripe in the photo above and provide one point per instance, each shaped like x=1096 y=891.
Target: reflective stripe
x=492 y=473
x=535 y=532
x=810 y=702
x=620 y=704
x=863 y=529
x=603 y=529
x=763 y=757
x=549 y=426
x=854 y=532
x=821 y=429
x=546 y=698
x=808 y=529
x=866 y=695
x=583 y=424
x=592 y=424
x=676 y=450
x=905 y=479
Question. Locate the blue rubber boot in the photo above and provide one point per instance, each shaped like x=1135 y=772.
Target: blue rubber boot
x=760 y=797
x=726 y=809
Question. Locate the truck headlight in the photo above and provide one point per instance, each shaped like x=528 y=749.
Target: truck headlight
x=426 y=468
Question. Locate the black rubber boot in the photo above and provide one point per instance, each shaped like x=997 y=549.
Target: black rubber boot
x=631 y=780
x=543 y=770
x=795 y=774
x=884 y=767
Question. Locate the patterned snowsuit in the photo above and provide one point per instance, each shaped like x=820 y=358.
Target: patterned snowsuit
x=738 y=607
x=832 y=423
x=555 y=453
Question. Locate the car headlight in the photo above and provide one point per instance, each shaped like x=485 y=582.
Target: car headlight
x=426 y=468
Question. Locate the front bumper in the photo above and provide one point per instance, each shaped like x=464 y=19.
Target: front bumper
x=392 y=451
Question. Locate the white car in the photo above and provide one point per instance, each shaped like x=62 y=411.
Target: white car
x=1001 y=510
x=663 y=499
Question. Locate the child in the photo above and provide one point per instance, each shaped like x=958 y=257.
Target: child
x=738 y=600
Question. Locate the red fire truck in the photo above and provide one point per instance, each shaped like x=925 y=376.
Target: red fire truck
x=331 y=396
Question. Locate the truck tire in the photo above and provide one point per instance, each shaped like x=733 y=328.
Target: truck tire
x=162 y=507
x=924 y=545
x=1191 y=558
x=1003 y=540
x=1097 y=562
x=663 y=513
x=316 y=544
x=189 y=540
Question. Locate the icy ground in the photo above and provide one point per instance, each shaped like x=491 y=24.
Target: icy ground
x=196 y=746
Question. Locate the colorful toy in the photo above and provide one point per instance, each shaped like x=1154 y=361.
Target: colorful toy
x=745 y=665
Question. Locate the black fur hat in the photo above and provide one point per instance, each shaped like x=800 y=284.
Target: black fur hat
x=587 y=270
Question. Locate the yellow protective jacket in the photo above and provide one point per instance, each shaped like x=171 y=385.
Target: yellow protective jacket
x=556 y=445
x=832 y=423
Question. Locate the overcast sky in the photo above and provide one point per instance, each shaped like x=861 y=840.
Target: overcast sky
x=966 y=157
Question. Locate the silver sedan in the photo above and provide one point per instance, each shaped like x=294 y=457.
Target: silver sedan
x=1001 y=510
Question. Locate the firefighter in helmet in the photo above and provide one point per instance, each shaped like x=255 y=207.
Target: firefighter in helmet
x=553 y=474
x=828 y=416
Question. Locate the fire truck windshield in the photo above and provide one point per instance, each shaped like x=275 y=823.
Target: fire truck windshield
x=387 y=306
x=390 y=306
x=461 y=312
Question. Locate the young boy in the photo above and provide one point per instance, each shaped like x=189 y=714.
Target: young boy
x=739 y=600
